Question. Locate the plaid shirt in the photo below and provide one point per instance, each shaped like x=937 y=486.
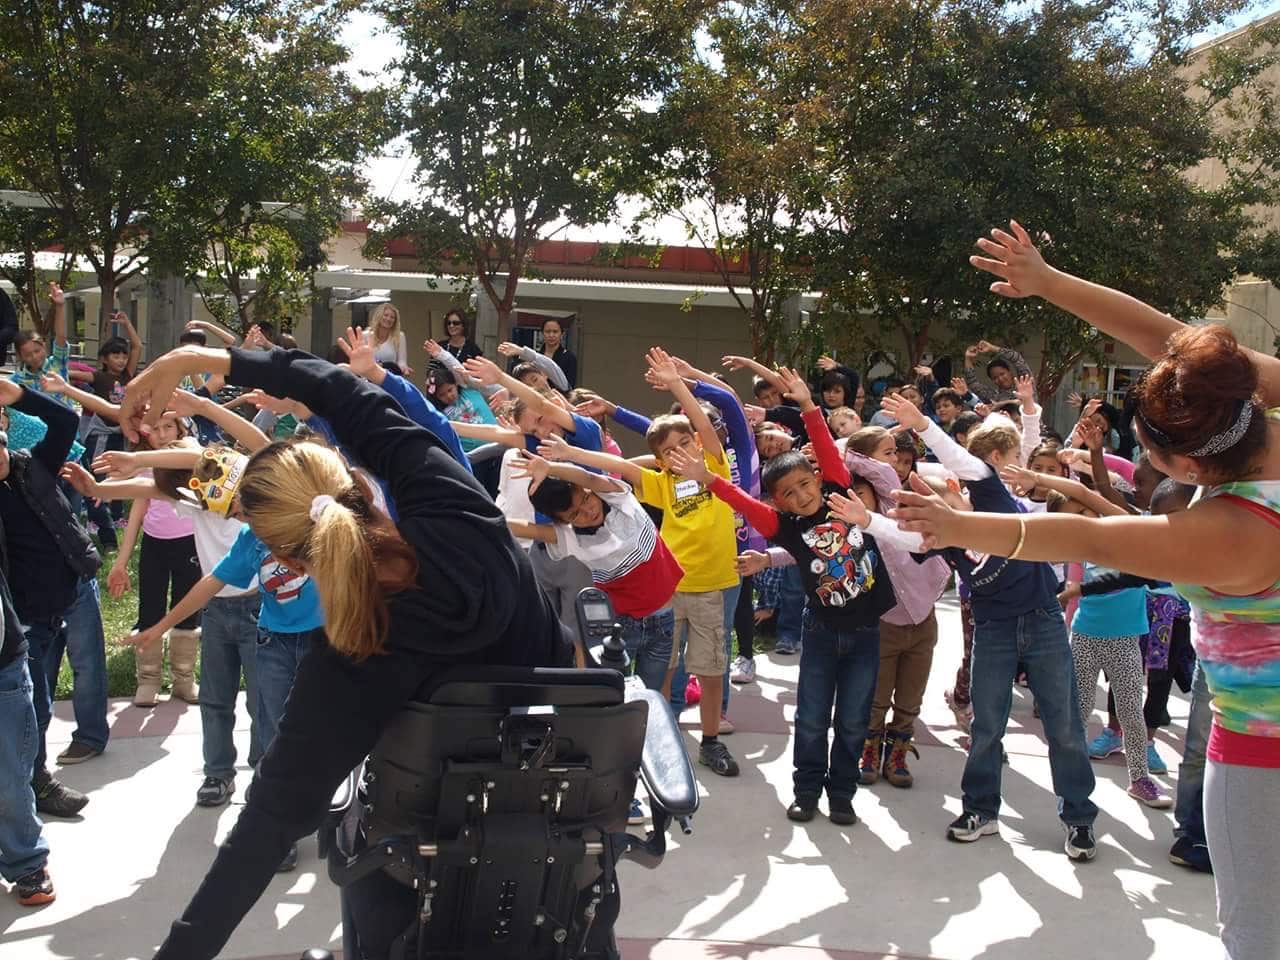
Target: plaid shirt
x=56 y=362
x=768 y=585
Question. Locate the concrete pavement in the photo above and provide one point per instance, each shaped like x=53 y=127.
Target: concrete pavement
x=747 y=884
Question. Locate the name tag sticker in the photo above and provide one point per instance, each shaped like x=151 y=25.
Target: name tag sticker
x=687 y=488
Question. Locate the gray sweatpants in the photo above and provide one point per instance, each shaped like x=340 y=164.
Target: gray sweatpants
x=560 y=580
x=1241 y=807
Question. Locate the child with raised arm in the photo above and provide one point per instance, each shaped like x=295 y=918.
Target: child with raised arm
x=848 y=589
x=1016 y=618
x=699 y=529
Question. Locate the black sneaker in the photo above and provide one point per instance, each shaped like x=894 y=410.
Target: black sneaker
x=1187 y=853
x=969 y=827
x=841 y=811
x=214 y=792
x=716 y=755
x=56 y=799
x=35 y=889
x=290 y=861
x=801 y=812
x=1080 y=845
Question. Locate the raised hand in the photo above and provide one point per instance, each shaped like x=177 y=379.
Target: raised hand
x=147 y=394
x=185 y=403
x=483 y=371
x=594 y=407
x=751 y=562
x=986 y=346
x=795 y=388
x=922 y=371
x=52 y=383
x=689 y=466
x=1025 y=388
x=1090 y=434
x=960 y=385
x=755 y=414
x=737 y=363
x=359 y=353
x=971 y=355
x=434 y=349
x=904 y=411
x=983 y=410
x=257 y=339
x=1075 y=400
x=1019 y=477
x=81 y=480
x=56 y=294
x=922 y=511
x=555 y=448
x=264 y=401
x=532 y=467
x=655 y=381
x=1015 y=260
x=850 y=509
x=509 y=349
x=663 y=366
x=116 y=465
x=825 y=363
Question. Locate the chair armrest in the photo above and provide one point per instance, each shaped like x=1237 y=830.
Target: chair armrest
x=664 y=766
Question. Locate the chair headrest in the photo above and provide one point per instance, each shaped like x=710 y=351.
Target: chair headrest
x=485 y=686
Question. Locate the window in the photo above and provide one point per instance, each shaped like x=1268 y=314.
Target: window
x=1110 y=383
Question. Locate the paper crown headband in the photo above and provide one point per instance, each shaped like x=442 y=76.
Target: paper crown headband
x=214 y=480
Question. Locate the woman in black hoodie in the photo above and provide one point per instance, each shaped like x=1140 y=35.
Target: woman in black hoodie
x=444 y=585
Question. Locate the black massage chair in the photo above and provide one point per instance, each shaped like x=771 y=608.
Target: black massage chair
x=500 y=799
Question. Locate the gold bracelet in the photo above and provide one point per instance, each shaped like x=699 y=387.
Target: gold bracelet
x=1022 y=537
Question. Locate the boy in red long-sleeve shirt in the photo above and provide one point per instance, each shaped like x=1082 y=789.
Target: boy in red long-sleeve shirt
x=848 y=591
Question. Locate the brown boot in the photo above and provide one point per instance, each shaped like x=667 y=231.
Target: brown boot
x=149 y=669
x=896 y=748
x=872 y=750
x=182 y=664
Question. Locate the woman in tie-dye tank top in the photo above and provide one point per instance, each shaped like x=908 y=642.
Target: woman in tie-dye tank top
x=1200 y=414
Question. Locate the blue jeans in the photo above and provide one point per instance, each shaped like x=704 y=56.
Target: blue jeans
x=840 y=668
x=278 y=656
x=1039 y=640
x=791 y=603
x=681 y=677
x=228 y=645
x=1188 y=815
x=23 y=848
x=648 y=643
x=77 y=632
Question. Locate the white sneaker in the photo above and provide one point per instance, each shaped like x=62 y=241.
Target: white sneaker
x=743 y=671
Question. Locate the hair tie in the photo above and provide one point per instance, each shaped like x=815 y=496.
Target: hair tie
x=319 y=504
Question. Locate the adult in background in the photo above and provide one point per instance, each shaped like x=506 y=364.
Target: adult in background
x=1003 y=369
x=386 y=337
x=8 y=326
x=457 y=341
x=553 y=347
x=1201 y=415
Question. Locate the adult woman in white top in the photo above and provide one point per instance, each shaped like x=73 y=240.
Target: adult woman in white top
x=387 y=339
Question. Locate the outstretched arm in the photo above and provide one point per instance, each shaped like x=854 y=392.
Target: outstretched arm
x=664 y=370
x=488 y=373
x=54 y=383
x=949 y=453
x=560 y=450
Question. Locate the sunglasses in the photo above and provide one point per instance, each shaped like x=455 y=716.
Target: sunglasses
x=453 y=323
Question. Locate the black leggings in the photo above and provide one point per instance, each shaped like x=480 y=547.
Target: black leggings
x=167 y=570
x=744 y=620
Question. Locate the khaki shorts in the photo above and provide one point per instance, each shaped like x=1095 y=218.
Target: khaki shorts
x=699 y=630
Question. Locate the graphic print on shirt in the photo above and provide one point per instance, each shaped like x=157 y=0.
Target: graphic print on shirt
x=690 y=495
x=279 y=581
x=843 y=568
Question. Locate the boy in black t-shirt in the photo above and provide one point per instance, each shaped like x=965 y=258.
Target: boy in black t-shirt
x=848 y=589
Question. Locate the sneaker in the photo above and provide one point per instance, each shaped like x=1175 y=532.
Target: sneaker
x=963 y=712
x=636 y=817
x=1154 y=763
x=35 y=889
x=969 y=827
x=214 y=792
x=1146 y=791
x=841 y=811
x=1080 y=845
x=786 y=647
x=1105 y=744
x=290 y=861
x=801 y=812
x=744 y=671
x=714 y=754
x=56 y=799
x=1185 y=852
x=77 y=753
x=726 y=726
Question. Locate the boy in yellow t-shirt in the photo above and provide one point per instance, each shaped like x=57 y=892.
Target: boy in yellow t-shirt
x=698 y=528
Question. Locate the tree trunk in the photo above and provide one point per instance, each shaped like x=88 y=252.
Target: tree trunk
x=504 y=322
x=107 y=281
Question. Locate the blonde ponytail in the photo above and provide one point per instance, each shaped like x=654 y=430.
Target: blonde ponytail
x=303 y=502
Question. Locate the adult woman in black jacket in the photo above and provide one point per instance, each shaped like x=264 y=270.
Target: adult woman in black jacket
x=445 y=585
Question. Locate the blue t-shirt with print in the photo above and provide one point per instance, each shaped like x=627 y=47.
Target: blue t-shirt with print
x=586 y=435
x=290 y=602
